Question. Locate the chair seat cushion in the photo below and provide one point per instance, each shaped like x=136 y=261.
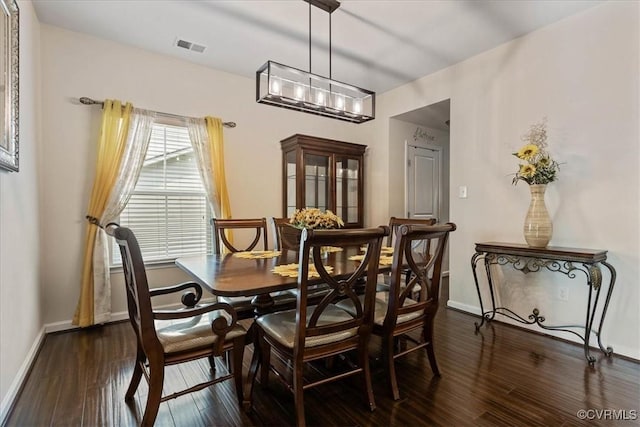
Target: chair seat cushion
x=382 y=304
x=193 y=332
x=282 y=326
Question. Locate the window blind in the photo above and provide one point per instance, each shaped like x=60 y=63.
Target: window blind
x=168 y=210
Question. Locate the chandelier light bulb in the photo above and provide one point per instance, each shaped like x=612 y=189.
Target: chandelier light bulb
x=275 y=86
x=357 y=106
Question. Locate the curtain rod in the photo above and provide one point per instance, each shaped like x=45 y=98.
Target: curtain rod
x=88 y=101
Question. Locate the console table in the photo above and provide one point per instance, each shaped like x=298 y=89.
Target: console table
x=567 y=261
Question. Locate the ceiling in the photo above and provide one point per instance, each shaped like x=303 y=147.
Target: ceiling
x=376 y=44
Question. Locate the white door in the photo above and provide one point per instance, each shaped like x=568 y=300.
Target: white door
x=424 y=182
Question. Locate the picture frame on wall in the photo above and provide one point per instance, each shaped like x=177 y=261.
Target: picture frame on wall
x=9 y=85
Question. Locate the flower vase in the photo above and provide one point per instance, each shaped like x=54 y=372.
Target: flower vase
x=537 y=224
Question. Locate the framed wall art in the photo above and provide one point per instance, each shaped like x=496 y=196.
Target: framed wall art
x=9 y=87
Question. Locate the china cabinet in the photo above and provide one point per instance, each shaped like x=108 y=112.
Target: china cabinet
x=324 y=174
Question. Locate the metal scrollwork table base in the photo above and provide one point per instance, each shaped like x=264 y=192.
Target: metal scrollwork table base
x=567 y=261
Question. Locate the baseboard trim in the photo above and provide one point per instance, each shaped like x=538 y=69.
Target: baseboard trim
x=16 y=386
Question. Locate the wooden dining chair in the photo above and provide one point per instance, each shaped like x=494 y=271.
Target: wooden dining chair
x=287 y=237
x=221 y=239
x=312 y=332
x=290 y=239
x=394 y=225
x=169 y=337
x=243 y=305
x=396 y=313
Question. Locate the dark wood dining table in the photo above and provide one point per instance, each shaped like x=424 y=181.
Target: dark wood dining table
x=233 y=276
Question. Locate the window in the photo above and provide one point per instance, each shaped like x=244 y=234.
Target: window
x=168 y=210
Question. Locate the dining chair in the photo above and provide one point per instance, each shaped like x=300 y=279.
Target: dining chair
x=243 y=305
x=169 y=337
x=277 y=224
x=394 y=224
x=396 y=313
x=287 y=237
x=221 y=239
x=313 y=332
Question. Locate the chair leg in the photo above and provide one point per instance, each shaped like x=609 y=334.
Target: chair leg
x=236 y=365
x=212 y=364
x=388 y=346
x=265 y=362
x=298 y=393
x=366 y=373
x=156 y=380
x=428 y=338
x=137 y=375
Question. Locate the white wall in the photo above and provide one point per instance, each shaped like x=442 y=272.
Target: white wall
x=76 y=65
x=20 y=299
x=582 y=74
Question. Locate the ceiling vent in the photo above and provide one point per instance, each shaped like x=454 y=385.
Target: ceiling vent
x=190 y=45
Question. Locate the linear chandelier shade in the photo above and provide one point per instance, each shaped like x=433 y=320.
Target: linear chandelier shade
x=288 y=87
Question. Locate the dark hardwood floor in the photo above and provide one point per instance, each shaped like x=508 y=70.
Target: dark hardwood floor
x=502 y=376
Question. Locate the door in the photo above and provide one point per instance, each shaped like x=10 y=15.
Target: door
x=424 y=182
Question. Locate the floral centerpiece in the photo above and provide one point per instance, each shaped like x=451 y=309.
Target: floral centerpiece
x=538 y=167
x=315 y=218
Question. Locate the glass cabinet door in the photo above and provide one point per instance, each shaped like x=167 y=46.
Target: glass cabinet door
x=347 y=189
x=316 y=181
x=290 y=182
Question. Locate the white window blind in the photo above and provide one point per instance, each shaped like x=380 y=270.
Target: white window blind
x=168 y=211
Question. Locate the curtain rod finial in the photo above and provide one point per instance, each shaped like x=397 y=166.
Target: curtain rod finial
x=87 y=101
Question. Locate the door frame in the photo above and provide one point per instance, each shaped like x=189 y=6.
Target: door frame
x=420 y=144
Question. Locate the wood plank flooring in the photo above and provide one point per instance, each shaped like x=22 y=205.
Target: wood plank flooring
x=502 y=376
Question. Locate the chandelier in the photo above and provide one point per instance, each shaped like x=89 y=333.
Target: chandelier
x=288 y=87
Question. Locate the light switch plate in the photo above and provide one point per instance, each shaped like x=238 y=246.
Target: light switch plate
x=462 y=192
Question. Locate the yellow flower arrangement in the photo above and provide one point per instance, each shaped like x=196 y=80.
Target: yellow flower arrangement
x=538 y=166
x=315 y=218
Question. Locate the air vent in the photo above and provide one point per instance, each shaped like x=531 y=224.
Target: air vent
x=190 y=45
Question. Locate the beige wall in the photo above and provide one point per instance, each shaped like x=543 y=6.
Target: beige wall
x=582 y=74
x=21 y=321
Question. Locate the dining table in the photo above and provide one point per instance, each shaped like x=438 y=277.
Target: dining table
x=241 y=275
x=251 y=274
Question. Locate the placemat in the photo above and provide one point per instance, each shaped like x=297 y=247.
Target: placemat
x=257 y=254
x=291 y=270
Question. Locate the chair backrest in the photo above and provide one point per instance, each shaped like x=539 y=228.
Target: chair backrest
x=137 y=287
x=426 y=272
x=221 y=240
x=289 y=239
x=395 y=223
x=311 y=244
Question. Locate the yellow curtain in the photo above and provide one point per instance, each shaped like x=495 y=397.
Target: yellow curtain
x=113 y=136
x=216 y=141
